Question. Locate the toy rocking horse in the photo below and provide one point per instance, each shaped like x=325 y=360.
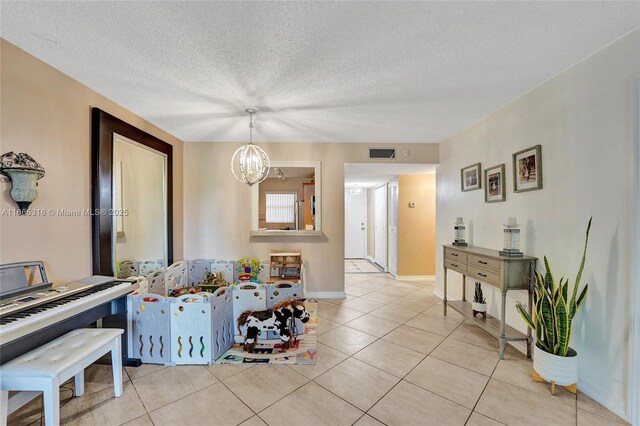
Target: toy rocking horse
x=280 y=318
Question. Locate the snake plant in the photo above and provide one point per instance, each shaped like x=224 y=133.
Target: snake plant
x=552 y=311
x=478 y=297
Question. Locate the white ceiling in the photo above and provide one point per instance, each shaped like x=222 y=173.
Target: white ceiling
x=371 y=72
x=366 y=175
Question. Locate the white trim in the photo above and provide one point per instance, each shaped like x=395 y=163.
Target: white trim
x=616 y=406
x=326 y=295
x=415 y=278
x=634 y=328
x=438 y=293
x=370 y=259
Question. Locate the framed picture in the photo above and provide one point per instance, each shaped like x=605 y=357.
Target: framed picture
x=527 y=169
x=494 y=184
x=470 y=178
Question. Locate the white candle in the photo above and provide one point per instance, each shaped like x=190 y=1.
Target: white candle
x=511 y=222
x=458 y=221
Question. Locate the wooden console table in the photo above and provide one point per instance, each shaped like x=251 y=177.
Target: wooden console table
x=503 y=272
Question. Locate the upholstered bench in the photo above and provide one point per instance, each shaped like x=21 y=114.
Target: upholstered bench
x=46 y=368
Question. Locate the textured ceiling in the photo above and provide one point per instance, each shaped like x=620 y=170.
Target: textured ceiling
x=365 y=175
x=374 y=72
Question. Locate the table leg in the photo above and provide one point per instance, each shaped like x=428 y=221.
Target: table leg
x=464 y=288
x=503 y=319
x=444 y=301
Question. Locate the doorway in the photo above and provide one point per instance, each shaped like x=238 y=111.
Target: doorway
x=380 y=226
x=355 y=224
x=392 y=224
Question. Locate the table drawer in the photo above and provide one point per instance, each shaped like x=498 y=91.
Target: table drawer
x=485 y=275
x=485 y=263
x=456 y=266
x=455 y=255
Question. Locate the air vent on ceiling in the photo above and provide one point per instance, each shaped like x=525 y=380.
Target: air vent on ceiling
x=382 y=153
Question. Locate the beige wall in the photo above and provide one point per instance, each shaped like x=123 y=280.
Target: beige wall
x=417 y=225
x=218 y=208
x=47 y=115
x=584 y=120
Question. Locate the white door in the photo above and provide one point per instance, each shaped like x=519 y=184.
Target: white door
x=355 y=213
x=380 y=234
x=393 y=227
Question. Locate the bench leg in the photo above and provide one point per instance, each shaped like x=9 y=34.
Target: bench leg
x=4 y=407
x=116 y=363
x=79 y=379
x=51 y=397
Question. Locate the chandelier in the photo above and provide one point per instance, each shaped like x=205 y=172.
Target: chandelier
x=250 y=164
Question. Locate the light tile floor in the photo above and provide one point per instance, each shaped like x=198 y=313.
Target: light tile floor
x=358 y=266
x=386 y=355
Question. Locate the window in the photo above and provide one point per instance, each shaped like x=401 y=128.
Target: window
x=281 y=207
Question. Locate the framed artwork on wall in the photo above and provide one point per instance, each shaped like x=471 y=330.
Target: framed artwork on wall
x=494 y=184
x=527 y=169
x=470 y=178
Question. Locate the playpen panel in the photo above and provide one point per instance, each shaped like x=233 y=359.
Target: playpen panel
x=146 y=267
x=265 y=271
x=198 y=269
x=157 y=283
x=191 y=330
x=149 y=328
x=222 y=329
x=227 y=267
x=143 y=284
x=127 y=268
x=176 y=276
x=251 y=297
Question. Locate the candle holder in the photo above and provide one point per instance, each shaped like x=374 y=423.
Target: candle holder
x=459 y=232
x=511 y=239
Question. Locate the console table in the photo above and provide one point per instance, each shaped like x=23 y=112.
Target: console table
x=503 y=272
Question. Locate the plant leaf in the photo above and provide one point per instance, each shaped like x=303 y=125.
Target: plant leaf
x=584 y=257
x=547 y=314
x=562 y=327
x=583 y=294
x=525 y=316
x=548 y=278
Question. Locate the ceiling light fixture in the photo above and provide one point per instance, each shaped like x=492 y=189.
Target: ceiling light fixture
x=250 y=164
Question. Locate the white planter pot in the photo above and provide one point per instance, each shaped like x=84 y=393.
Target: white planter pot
x=479 y=307
x=563 y=370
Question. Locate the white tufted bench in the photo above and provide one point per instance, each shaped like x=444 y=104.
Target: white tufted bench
x=46 y=368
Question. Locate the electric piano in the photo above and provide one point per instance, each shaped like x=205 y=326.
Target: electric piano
x=33 y=312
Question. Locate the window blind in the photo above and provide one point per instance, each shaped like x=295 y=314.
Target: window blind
x=280 y=207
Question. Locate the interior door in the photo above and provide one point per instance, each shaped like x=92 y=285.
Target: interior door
x=355 y=230
x=380 y=233
x=392 y=224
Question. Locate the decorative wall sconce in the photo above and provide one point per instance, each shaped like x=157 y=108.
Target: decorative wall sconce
x=511 y=239
x=459 y=229
x=23 y=172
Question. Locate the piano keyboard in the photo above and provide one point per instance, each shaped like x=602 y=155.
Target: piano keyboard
x=17 y=324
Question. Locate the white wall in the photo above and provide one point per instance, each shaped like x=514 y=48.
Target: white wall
x=583 y=118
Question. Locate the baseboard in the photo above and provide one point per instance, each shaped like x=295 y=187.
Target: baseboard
x=438 y=293
x=415 y=277
x=370 y=259
x=326 y=295
x=602 y=397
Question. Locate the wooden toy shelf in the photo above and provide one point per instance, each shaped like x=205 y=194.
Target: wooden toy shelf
x=285 y=265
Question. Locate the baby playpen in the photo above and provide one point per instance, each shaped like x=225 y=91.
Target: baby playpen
x=195 y=328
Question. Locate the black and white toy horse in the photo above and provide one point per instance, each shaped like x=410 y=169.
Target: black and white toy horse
x=280 y=318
